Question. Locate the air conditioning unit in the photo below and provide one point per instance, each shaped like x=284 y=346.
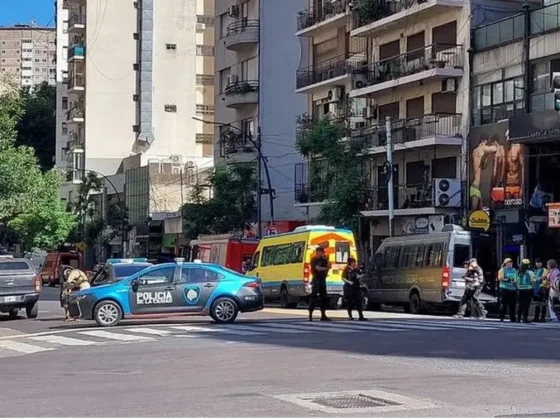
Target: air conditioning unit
x=232 y=79
x=176 y=158
x=191 y=164
x=449 y=86
x=200 y=27
x=233 y=10
x=359 y=81
x=334 y=94
x=447 y=192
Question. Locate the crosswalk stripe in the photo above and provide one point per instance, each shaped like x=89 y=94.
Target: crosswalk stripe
x=63 y=341
x=22 y=347
x=511 y=325
x=149 y=331
x=415 y=326
x=114 y=336
x=191 y=328
x=373 y=326
x=263 y=329
x=455 y=325
x=318 y=327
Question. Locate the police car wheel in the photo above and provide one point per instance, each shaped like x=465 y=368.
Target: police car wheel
x=107 y=313
x=224 y=311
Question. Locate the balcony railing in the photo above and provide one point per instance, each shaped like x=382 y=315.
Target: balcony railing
x=408 y=196
x=75 y=113
x=233 y=142
x=410 y=129
x=77 y=51
x=326 y=70
x=242 y=87
x=205 y=79
x=76 y=80
x=310 y=193
x=315 y=15
x=412 y=62
x=380 y=9
x=76 y=19
x=242 y=25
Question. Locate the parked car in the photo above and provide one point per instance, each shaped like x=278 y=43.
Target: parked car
x=20 y=287
x=53 y=261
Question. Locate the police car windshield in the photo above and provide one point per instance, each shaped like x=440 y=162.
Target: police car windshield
x=122 y=271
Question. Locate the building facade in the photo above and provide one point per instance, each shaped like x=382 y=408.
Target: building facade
x=62 y=97
x=137 y=74
x=28 y=54
x=406 y=62
x=256 y=57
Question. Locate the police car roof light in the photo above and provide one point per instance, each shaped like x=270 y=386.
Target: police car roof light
x=198 y=261
x=179 y=260
x=140 y=260
x=119 y=261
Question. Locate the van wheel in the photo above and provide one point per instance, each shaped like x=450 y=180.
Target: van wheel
x=414 y=304
x=285 y=299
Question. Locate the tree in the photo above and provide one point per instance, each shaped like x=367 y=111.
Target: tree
x=37 y=126
x=90 y=224
x=335 y=169
x=232 y=205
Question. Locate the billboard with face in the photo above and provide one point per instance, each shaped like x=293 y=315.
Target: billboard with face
x=495 y=168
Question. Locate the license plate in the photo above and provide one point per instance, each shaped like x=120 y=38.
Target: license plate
x=8 y=299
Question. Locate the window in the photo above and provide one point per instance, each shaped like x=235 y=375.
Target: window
x=391 y=257
x=224 y=76
x=434 y=255
x=298 y=251
x=224 y=21
x=418 y=256
x=207 y=20
x=170 y=108
x=342 y=252
x=461 y=253
x=497 y=101
x=268 y=256
x=256 y=258
x=200 y=275
x=135 y=67
x=64 y=128
x=204 y=109
x=406 y=256
x=14 y=265
x=64 y=53
x=283 y=254
x=158 y=276
x=171 y=46
x=205 y=50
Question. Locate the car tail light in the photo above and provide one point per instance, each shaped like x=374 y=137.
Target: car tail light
x=253 y=284
x=445 y=277
x=306 y=273
x=37 y=283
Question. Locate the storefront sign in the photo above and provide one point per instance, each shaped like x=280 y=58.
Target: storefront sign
x=553 y=215
x=479 y=219
x=536 y=126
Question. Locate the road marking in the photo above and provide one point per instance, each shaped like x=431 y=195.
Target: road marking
x=22 y=347
x=415 y=326
x=450 y=324
x=150 y=331
x=63 y=341
x=375 y=326
x=219 y=330
x=262 y=328
x=115 y=336
x=6 y=332
x=320 y=327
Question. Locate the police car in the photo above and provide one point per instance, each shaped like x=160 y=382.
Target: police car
x=192 y=288
x=116 y=269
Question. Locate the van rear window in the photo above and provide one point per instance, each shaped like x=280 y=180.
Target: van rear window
x=342 y=252
x=461 y=253
x=14 y=265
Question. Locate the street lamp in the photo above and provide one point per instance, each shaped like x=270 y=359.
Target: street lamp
x=261 y=163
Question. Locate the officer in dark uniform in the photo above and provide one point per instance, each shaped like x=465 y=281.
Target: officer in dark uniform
x=352 y=289
x=320 y=267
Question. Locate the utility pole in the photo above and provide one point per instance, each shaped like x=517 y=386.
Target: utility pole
x=390 y=173
x=259 y=183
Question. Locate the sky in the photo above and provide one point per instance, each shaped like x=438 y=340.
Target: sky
x=23 y=11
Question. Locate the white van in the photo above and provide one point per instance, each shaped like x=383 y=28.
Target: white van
x=420 y=272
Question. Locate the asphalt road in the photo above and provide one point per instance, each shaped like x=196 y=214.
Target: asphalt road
x=276 y=364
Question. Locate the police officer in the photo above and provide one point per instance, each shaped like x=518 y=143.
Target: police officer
x=524 y=282
x=540 y=291
x=473 y=282
x=74 y=279
x=352 y=290
x=320 y=267
x=508 y=289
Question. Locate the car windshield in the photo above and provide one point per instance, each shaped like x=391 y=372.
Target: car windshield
x=229 y=271
x=14 y=265
x=122 y=271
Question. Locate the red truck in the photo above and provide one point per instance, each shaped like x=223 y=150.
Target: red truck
x=227 y=250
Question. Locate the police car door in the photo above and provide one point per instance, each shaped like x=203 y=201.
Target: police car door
x=156 y=292
x=197 y=285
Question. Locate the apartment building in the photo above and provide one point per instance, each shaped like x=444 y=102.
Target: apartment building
x=138 y=71
x=406 y=60
x=61 y=74
x=28 y=54
x=256 y=58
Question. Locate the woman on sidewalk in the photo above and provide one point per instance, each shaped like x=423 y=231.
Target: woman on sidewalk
x=508 y=289
x=524 y=281
x=352 y=290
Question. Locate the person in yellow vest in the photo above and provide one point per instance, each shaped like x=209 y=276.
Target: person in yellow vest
x=508 y=289
x=525 y=280
x=74 y=279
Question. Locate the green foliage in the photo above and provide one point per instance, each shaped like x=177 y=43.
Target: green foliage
x=37 y=125
x=232 y=205
x=90 y=224
x=335 y=170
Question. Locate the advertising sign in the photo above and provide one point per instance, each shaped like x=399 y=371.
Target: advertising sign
x=479 y=219
x=553 y=215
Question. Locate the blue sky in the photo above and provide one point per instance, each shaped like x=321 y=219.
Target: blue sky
x=23 y=11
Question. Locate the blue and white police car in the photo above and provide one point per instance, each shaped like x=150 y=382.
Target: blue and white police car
x=179 y=288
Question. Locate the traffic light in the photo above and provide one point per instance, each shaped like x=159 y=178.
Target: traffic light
x=556 y=90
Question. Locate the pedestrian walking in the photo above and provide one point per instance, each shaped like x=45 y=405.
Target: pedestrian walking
x=320 y=267
x=552 y=280
x=508 y=289
x=540 y=291
x=473 y=282
x=352 y=289
x=524 y=281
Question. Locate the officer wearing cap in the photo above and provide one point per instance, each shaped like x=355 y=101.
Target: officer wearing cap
x=320 y=267
x=508 y=289
x=524 y=281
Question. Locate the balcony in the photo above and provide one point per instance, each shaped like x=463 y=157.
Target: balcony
x=241 y=93
x=408 y=200
x=310 y=183
x=75 y=144
x=76 y=83
x=76 y=23
x=242 y=34
x=76 y=115
x=76 y=52
x=428 y=130
x=334 y=71
x=330 y=14
x=436 y=61
x=381 y=15
x=234 y=142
